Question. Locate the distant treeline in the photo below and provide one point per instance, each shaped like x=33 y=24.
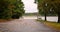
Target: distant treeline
x=41 y=13
x=30 y=14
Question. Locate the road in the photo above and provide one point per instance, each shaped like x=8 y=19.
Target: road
x=24 y=25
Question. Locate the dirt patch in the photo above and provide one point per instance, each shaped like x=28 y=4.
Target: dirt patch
x=5 y=20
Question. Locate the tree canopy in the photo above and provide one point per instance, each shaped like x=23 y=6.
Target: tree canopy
x=48 y=9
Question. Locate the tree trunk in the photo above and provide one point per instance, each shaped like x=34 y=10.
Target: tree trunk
x=58 y=17
x=45 y=17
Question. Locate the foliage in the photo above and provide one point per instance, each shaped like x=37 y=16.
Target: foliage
x=42 y=8
x=11 y=8
x=4 y=11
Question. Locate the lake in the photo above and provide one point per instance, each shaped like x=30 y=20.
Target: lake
x=49 y=18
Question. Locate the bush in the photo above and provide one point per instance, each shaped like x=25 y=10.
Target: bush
x=16 y=15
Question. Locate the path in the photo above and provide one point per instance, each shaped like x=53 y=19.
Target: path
x=25 y=25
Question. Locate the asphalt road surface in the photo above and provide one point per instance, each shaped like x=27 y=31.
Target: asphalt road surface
x=24 y=25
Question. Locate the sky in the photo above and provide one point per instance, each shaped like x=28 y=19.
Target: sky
x=30 y=6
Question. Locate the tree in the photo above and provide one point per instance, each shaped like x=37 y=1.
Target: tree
x=55 y=5
x=4 y=11
x=11 y=9
x=52 y=4
x=42 y=7
x=18 y=10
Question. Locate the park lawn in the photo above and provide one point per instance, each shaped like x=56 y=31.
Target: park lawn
x=53 y=25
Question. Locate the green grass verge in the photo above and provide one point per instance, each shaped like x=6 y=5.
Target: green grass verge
x=51 y=24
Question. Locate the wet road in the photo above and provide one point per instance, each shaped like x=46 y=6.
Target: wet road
x=25 y=25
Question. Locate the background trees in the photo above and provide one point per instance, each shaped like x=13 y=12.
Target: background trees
x=11 y=9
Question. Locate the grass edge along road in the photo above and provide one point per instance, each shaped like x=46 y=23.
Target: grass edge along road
x=53 y=25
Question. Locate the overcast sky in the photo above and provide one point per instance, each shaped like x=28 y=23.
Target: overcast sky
x=30 y=6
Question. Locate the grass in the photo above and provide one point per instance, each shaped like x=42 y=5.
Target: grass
x=53 y=25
